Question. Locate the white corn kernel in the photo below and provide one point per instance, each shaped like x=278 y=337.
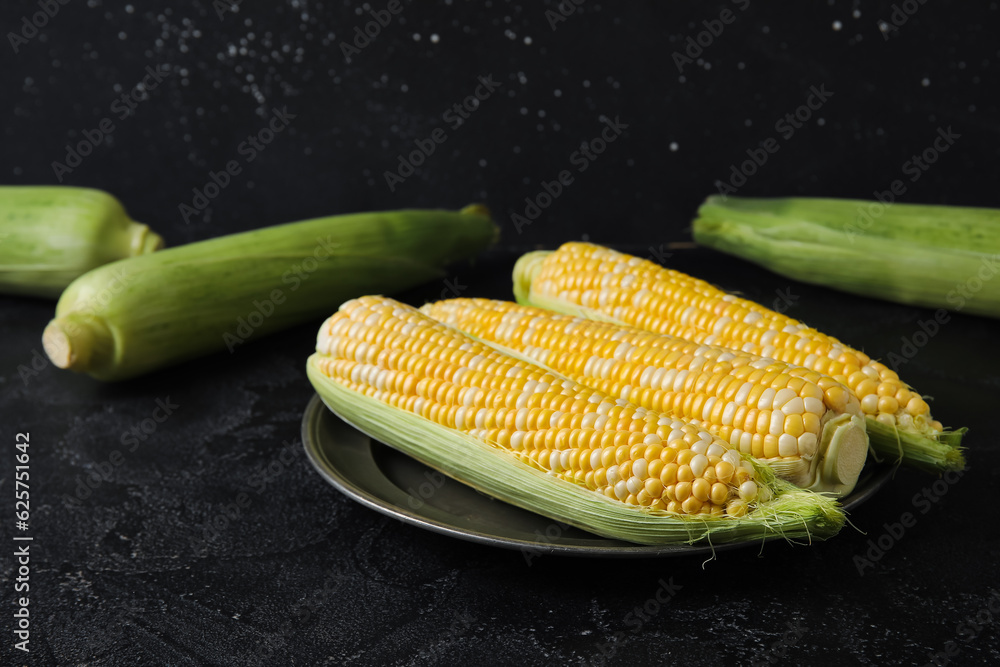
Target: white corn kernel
x=814 y=405
x=782 y=397
x=795 y=406
x=698 y=464
x=788 y=445
x=777 y=426
x=807 y=444
x=766 y=400
x=634 y=485
x=716 y=449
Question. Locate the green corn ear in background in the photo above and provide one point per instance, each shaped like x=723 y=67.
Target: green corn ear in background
x=51 y=235
x=136 y=315
x=933 y=256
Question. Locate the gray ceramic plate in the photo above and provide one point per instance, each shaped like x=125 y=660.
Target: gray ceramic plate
x=392 y=483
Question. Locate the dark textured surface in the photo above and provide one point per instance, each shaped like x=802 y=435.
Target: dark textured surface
x=143 y=570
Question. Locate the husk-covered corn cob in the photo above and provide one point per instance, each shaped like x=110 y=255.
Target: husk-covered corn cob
x=136 y=315
x=804 y=425
x=540 y=441
x=51 y=235
x=595 y=282
x=935 y=256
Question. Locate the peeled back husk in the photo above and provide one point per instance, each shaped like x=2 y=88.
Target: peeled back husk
x=791 y=513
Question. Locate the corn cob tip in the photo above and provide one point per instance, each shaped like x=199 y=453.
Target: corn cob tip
x=144 y=240
x=78 y=342
x=525 y=270
x=476 y=209
x=483 y=211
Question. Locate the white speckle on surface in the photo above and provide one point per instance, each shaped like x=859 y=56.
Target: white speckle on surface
x=527 y=40
x=925 y=82
x=482 y=163
x=557 y=92
x=435 y=38
x=586 y=83
x=524 y=111
x=674 y=146
x=821 y=121
x=416 y=37
x=837 y=25
x=541 y=113
x=741 y=65
x=856 y=13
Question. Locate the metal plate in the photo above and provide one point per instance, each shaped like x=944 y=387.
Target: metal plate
x=394 y=484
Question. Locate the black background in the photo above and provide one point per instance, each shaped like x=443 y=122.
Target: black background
x=305 y=576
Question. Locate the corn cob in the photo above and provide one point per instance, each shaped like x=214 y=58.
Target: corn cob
x=935 y=256
x=588 y=280
x=804 y=425
x=531 y=437
x=136 y=315
x=51 y=235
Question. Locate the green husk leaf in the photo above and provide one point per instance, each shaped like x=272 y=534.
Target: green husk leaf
x=933 y=455
x=791 y=514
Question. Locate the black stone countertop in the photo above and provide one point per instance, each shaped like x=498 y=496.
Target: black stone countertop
x=132 y=572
